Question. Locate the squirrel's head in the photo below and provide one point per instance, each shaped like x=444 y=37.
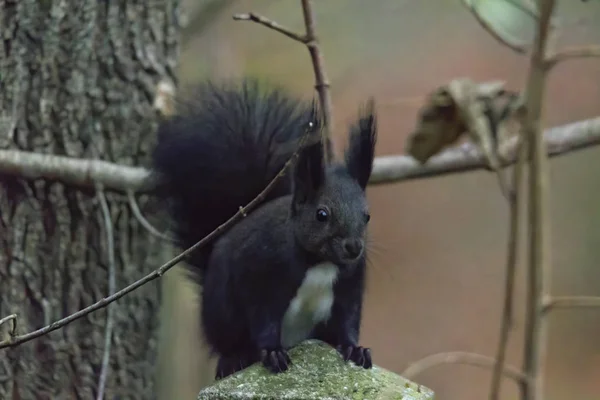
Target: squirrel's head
x=329 y=206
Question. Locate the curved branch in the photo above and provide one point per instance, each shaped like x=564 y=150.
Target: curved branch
x=13 y=327
x=143 y=221
x=460 y=357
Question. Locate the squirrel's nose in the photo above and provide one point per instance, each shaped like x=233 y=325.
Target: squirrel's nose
x=353 y=247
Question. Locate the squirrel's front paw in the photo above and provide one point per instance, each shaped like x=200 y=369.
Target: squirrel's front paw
x=359 y=355
x=275 y=360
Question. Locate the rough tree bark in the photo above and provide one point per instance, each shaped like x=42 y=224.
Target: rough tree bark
x=78 y=78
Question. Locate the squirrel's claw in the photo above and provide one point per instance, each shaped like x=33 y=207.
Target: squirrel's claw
x=359 y=355
x=276 y=360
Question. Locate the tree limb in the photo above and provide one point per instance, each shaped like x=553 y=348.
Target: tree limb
x=559 y=140
x=86 y=173
x=78 y=172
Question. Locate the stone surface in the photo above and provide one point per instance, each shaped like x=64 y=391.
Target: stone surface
x=317 y=372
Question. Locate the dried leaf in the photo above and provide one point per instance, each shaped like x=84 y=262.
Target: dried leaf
x=439 y=126
x=485 y=111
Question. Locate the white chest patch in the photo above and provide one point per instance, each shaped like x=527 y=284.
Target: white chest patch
x=311 y=305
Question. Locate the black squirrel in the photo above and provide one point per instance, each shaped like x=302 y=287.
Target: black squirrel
x=292 y=269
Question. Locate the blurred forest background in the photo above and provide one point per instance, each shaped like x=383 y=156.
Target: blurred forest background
x=437 y=271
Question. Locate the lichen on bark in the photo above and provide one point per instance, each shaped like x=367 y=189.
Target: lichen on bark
x=78 y=78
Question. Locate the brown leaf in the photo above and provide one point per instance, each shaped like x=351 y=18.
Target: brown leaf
x=486 y=111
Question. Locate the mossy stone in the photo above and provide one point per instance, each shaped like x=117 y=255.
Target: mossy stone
x=317 y=372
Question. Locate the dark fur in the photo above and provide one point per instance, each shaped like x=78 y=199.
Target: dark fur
x=222 y=150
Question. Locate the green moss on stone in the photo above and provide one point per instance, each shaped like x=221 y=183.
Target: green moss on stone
x=317 y=372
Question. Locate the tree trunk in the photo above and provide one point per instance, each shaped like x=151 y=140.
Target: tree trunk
x=78 y=78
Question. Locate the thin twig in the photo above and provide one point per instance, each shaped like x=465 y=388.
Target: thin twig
x=259 y=19
x=321 y=80
x=16 y=340
x=538 y=222
x=85 y=173
x=110 y=249
x=310 y=40
x=571 y=302
x=572 y=53
x=142 y=220
x=511 y=267
x=460 y=357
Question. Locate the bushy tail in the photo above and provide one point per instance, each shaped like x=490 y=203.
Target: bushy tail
x=227 y=142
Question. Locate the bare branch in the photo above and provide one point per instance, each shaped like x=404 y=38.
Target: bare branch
x=571 y=302
x=311 y=41
x=460 y=357
x=75 y=171
x=572 y=53
x=85 y=173
x=142 y=220
x=16 y=340
x=321 y=79
x=259 y=19
x=110 y=249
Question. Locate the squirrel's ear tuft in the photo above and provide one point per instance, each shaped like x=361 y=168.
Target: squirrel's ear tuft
x=361 y=145
x=309 y=170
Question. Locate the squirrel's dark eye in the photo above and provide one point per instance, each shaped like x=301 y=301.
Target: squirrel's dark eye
x=322 y=215
x=367 y=217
